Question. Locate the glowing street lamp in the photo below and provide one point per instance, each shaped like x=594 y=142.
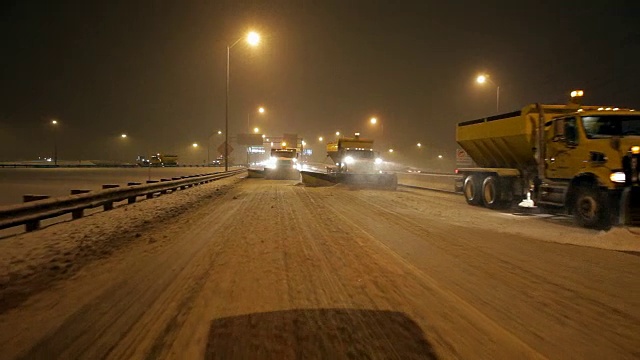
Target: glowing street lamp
x=439 y=156
x=253 y=39
x=195 y=145
x=256 y=130
x=54 y=122
x=261 y=110
x=337 y=133
x=419 y=145
x=320 y=139
x=374 y=121
x=482 y=79
x=124 y=136
x=390 y=150
x=219 y=132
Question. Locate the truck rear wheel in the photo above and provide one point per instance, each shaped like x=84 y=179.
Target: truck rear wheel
x=471 y=190
x=491 y=192
x=591 y=209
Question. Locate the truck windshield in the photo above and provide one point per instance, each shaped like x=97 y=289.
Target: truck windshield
x=290 y=154
x=360 y=154
x=611 y=125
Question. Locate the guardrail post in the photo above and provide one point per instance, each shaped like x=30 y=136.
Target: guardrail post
x=109 y=205
x=78 y=213
x=33 y=224
x=132 y=199
x=150 y=195
x=179 y=187
x=165 y=180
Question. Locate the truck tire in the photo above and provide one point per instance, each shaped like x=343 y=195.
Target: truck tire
x=471 y=190
x=491 y=192
x=591 y=209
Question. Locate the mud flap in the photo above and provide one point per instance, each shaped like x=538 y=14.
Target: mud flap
x=630 y=206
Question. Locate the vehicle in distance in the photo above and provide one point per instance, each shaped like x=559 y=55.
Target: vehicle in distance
x=158 y=160
x=572 y=158
x=217 y=162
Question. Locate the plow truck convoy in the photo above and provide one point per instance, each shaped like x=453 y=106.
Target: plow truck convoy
x=354 y=163
x=581 y=160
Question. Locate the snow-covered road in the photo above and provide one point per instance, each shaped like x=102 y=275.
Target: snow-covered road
x=251 y=268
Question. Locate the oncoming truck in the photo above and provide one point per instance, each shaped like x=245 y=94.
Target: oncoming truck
x=582 y=160
x=356 y=163
x=282 y=164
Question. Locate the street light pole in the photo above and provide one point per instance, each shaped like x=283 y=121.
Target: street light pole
x=253 y=39
x=55 y=142
x=226 y=115
x=481 y=79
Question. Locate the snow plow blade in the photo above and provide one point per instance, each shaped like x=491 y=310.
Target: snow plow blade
x=255 y=173
x=368 y=181
x=281 y=174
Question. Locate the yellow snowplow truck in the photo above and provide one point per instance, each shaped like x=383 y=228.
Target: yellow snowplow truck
x=582 y=160
x=354 y=163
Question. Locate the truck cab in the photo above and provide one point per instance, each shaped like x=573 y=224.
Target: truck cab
x=586 y=153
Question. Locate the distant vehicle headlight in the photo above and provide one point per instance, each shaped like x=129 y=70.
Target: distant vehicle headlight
x=378 y=161
x=349 y=160
x=618 y=177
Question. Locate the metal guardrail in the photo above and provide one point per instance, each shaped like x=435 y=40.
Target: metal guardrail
x=31 y=213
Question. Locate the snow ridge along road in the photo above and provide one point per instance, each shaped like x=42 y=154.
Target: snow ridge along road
x=250 y=268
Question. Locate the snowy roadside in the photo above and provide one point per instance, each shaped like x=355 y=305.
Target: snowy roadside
x=558 y=229
x=30 y=262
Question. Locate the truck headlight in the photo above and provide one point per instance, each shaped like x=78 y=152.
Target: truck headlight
x=349 y=160
x=378 y=161
x=271 y=163
x=617 y=177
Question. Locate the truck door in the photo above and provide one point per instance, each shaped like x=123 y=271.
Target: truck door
x=564 y=158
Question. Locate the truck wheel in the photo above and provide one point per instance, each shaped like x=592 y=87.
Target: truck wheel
x=591 y=209
x=491 y=192
x=471 y=190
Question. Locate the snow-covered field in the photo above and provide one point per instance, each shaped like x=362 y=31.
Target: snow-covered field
x=251 y=268
x=59 y=181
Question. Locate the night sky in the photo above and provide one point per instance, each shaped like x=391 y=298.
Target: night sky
x=156 y=69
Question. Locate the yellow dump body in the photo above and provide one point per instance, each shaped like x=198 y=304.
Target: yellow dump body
x=506 y=140
x=336 y=148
